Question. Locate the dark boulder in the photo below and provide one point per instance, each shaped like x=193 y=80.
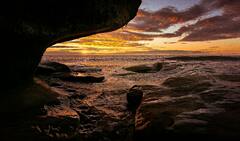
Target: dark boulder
x=146 y=68
x=57 y=66
x=85 y=69
x=47 y=68
x=134 y=98
x=82 y=78
x=44 y=70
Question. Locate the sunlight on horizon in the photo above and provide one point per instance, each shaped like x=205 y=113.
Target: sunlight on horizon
x=120 y=46
x=160 y=27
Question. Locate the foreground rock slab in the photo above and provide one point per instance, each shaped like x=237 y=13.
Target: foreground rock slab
x=189 y=106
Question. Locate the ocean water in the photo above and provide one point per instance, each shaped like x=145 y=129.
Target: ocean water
x=208 y=90
x=117 y=77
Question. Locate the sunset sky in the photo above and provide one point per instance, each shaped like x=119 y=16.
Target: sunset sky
x=169 y=26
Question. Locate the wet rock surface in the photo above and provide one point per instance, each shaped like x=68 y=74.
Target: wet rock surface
x=83 y=78
x=145 y=68
x=84 y=113
x=85 y=69
x=191 y=100
x=66 y=73
x=188 y=83
x=184 y=100
x=191 y=105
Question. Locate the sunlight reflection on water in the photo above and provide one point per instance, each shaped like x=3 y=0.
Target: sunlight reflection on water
x=212 y=77
x=117 y=77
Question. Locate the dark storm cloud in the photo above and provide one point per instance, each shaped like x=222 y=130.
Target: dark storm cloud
x=225 y=26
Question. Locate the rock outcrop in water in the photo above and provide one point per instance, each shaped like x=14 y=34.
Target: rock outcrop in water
x=85 y=69
x=48 y=68
x=70 y=74
x=145 y=68
x=28 y=28
x=82 y=78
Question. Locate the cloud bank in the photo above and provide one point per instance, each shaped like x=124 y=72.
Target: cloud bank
x=224 y=24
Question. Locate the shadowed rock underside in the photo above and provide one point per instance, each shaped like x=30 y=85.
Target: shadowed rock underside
x=32 y=26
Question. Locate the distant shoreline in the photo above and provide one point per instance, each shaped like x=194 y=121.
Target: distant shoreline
x=171 y=54
x=205 y=58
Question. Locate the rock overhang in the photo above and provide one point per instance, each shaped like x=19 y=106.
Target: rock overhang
x=29 y=27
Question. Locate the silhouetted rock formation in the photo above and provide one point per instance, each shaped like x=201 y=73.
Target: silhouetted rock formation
x=134 y=98
x=28 y=28
x=62 y=71
x=48 y=68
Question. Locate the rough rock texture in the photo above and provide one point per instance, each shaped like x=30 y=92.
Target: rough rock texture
x=85 y=69
x=189 y=106
x=28 y=28
x=153 y=68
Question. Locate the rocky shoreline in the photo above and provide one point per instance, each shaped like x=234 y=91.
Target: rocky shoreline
x=191 y=104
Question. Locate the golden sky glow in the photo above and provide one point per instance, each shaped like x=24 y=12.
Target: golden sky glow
x=108 y=43
x=192 y=29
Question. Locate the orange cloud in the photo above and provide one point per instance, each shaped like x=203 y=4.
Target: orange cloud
x=149 y=26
